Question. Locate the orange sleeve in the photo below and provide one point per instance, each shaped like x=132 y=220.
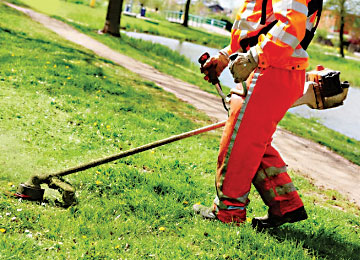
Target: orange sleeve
x=281 y=43
x=246 y=24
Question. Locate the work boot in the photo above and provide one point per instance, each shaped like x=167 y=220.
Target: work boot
x=270 y=220
x=205 y=212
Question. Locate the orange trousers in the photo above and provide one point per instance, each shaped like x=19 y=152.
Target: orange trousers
x=246 y=155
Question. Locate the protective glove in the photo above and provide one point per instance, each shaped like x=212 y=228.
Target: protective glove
x=217 y=63
x=241 y=65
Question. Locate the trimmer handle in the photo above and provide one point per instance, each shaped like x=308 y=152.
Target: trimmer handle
x=203 y=58
x=212 y=72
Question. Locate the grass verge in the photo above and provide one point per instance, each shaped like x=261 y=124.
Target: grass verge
x=172 y=63
x=61 y=105
x=93 y=19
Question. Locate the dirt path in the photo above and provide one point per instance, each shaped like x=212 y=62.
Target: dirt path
x=325 y=168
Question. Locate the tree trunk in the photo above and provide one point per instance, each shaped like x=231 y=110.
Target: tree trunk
x=342 y=11
x=341 y=35
x=113 y=15
x=186 y=14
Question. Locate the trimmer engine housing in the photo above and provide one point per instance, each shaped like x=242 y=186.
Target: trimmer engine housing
x=327 y=85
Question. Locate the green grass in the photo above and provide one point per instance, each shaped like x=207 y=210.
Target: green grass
x=349 y=69
x=170 y=62
x=89 y=20
x=311 y=129
x=93 y=19
x=54 y=117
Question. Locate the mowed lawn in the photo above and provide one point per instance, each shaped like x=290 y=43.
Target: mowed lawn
x=60 y=105
x=88 y=20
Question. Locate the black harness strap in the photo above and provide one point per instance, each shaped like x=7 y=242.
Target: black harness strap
x=252 y=41
x=313 y=6
x=263 y=12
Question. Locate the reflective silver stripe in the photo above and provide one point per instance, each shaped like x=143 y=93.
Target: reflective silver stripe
x=219 y=204
x=236 y=25
x=239 y=119
x=249 y=10
x=267 y=195
x=273 y=171
x=258 y=183
x=271 y=18
x=233 y=136
x=285 y=189
x=300 y=53
x=259 y=177
x=246 y=25
x=278 y=29
x=243 y=199
x=242 y=24
x=299 y=7
x=289 y=39
x=284 y=6
x=309 y=23
x=278 y=32
x=243 y=34
x=262 y=174
x=218 y=200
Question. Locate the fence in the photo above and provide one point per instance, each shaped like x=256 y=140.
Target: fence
x=195 y=20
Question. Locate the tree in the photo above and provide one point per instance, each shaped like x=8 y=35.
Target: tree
x=342 y=8
x=113 y=16
x=157 y=4
x=186 y=14
x=144 y=2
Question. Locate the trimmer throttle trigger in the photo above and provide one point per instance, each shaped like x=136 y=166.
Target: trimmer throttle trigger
x=212 y=72
x=203 y=58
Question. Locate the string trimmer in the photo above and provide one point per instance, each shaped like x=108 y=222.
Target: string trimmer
x=324 y=91
x=31 y=190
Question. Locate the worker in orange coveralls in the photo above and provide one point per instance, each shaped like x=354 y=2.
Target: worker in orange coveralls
x=267 y=50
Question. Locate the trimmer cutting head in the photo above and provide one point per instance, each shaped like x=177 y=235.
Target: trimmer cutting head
x=28 y=192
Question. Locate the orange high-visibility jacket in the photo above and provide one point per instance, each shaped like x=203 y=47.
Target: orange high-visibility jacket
x=280 y=47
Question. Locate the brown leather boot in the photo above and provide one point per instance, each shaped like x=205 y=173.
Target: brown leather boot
x=271 y=220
